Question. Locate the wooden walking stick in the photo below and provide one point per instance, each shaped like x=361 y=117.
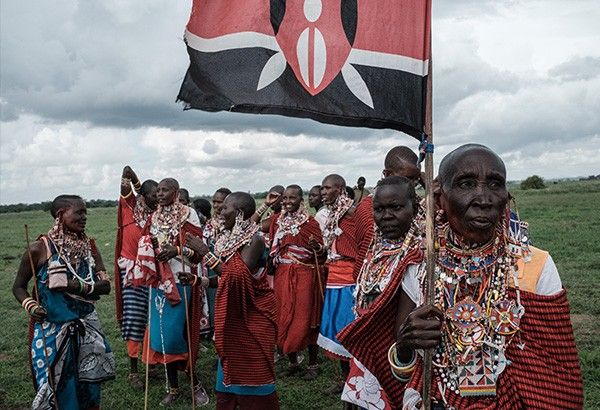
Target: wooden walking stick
x=36 y=297
x=429 y=226
x=147 y=342
x=187 y=322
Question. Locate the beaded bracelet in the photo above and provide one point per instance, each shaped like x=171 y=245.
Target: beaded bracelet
x=91 y=288
x=187 y=252
x=28 y=304
x=125 y=182
x=401 y=371
x=211 y=260
x=262 y=209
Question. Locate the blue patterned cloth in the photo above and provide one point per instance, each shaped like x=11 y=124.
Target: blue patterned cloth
x=77 y=355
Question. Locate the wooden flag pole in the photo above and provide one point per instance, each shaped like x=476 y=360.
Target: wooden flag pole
x=187 y=321
x=429 y=230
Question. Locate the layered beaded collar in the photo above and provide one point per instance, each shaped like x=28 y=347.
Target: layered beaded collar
x=228 y=242
x=72 y=248
x=381 y=261
x=141 y=212
x=289 y=223
x=336 y=212
x=471 y=288
x=167 y=222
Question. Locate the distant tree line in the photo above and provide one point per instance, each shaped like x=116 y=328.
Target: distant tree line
x=93 y=203
x=45 y=206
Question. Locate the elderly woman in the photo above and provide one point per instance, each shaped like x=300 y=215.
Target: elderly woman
x=245 y=319
x=69 y=354
x=500 y=324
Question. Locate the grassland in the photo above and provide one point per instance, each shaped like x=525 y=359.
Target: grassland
x=564 y=219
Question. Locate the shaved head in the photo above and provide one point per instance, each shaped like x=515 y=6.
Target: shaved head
x=398 y=157
x=449 y=165
x=170 y=182
x=335 y=180
x=242 y=201
x=277 y=188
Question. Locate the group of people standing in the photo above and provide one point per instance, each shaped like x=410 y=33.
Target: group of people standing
x=349 y=279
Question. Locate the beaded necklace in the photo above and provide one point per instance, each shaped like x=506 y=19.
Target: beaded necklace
x=381 y=261
x=471 y=287
x=336 y=211
x=73 y=249
x=228 y=242
x=289 y=223
x=141 y=211
x=167 y=222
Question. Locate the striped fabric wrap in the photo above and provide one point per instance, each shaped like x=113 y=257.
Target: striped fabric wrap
x=245 y=325
x=344 y=246
x=545 y=347
x=135 y=311
x=363 y=217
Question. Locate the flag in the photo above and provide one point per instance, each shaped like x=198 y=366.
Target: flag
x=348 y=62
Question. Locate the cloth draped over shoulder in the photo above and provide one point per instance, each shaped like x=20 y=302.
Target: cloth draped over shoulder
x=126 y=245
x=545 y=348
x=364 y=232
x=245 y=325
x=344 y=245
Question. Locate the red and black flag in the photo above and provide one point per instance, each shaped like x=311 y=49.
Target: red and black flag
x=346 y=62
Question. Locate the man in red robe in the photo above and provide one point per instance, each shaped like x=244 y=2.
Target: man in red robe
x=340 y=247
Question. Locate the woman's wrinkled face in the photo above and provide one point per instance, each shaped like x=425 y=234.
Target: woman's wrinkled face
x=74 y=217
x=393 y=211
x=291 y=200
x=475 y=195
x=166 y=193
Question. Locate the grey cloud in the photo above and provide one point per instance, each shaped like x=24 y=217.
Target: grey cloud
x=576 y=69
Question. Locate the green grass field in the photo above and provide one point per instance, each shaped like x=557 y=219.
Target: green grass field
x=564 y=219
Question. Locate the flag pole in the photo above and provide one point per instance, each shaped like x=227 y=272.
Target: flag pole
x=429 y=219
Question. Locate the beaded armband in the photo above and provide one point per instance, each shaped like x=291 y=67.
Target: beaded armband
x=211 y=260
x=262 y=209
x=401 y=371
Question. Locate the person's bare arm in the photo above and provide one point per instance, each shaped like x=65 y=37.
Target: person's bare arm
x=24 y=275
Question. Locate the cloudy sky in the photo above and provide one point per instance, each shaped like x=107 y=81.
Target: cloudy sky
x=89 y=86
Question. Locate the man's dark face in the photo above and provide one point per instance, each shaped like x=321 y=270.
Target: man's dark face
x=150 y=198
x=361 y=183
x=330 y=191
x=393 y=211
x=217 y=203
x=474 y=196
x=166 y=193
x=314 y=197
